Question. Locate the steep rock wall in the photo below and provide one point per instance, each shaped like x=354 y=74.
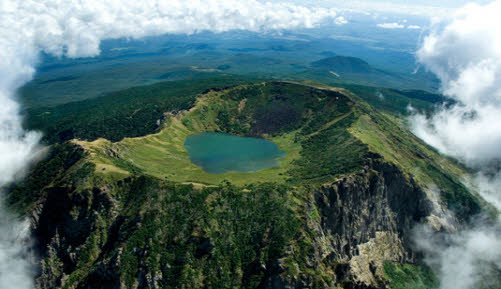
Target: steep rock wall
x=364 y=220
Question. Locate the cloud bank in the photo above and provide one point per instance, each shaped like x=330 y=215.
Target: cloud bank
x=464 y=51
x=75 y=29
x=466 y=55
x=470 y=259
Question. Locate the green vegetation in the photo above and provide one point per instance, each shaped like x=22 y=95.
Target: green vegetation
x=56 y=85
x=163 y=155
x=126 y=196
x=409 y=276
x=301 y=120
x=304 y=121
x=129 y=113
x=340 y=152
x=396 y=101
x=383 y=134
x=215 y=237
x=60 y=158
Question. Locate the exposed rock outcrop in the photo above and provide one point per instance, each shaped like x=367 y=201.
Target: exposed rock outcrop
x=364 y=220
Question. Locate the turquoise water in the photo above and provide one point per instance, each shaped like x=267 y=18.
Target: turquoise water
x=218 y=153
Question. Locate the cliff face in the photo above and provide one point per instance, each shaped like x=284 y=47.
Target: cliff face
x=65 y=225
x=364 y=220
x=380 y=198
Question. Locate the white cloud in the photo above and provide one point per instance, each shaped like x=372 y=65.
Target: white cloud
x=463 y=260
x=417 y=8
x=465 y=54
x=15 y=271
x=413 y=27
x=393 y=25
x=75 y=29
x=340 y=20
x=464 y=51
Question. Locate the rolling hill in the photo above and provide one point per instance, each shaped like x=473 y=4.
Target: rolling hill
x=339 y=70
x=344 y=64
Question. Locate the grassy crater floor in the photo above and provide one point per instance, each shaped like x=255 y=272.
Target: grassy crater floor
x=163 y=155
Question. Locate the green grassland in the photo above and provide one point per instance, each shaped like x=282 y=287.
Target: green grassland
x=163 y=155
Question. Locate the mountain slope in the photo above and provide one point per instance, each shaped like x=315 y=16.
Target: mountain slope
x=337 y=212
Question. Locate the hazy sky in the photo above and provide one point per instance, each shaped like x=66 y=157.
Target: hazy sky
x=436 y=3
x=440 y=3
x=417 y=7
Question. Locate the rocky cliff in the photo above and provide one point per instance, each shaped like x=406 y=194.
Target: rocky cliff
x=360 y=222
